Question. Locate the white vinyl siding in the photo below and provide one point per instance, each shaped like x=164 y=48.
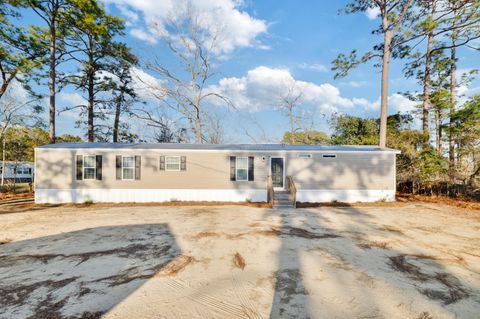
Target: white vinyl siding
x=128 y=167
x=172 y=163
x=241 y=171
x=89 y=167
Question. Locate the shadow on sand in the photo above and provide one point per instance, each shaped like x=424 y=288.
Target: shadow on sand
x=351 y=266
x=81 y=274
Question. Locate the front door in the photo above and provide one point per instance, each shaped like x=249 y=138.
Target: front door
x=277 y=172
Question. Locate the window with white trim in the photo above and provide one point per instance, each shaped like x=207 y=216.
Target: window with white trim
x=241 y=169
x=89 y=167
x=128 y=167
x=172 y=163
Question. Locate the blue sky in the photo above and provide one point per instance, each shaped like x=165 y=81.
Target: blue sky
x=270 y=42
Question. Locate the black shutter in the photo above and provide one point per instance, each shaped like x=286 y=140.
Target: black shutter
x=118 y=165
x=79 y=167
x=183 y=163
x=138 y=165
x=250 y=169
x=162 y=163
x=98 y=159
x=232 y=167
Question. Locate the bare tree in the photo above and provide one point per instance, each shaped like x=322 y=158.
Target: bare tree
x=195 y=48
x=214 y=131
x=14 y=111
x=165 y=130
x=289 y=105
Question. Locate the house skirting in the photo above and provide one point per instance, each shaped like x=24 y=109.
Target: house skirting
x=147 y=195
x=346 y=196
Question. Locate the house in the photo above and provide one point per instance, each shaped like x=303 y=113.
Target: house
x=104 y=172
x=22 y=172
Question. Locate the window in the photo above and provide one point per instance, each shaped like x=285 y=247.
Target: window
x=172 y=163
x=22 y=170
x=89 y=167
x=329 y=155
x=242 y=169
x=303 y=155
x=128 y=167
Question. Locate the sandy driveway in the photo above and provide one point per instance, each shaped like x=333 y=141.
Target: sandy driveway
x=400 y=261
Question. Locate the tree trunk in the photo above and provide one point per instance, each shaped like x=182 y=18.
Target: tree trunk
x=438 y=133
x=453 y=70
x=426 y=82
x=52 y=75
x=116 y=123
x=15 y=176
x=3 y=160
x=384 y=94
x=90 y=108
x=5 y=83
x=292 y=129
x=198 y=129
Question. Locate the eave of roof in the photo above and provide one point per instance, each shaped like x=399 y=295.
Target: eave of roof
x=222 y=147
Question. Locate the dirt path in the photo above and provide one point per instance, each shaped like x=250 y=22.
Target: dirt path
x=401 y=261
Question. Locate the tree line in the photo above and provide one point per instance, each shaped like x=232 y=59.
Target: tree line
x=78 y=44
x=426 y=35
x=74 y=44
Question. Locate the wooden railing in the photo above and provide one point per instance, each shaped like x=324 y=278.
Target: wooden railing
x=270 y=194
x=293 y=190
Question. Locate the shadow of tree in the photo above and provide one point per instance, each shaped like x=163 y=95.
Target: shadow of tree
x=82 y=273
x=351 y=266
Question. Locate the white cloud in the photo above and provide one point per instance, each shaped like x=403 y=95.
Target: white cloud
x=146 y=85
x=144 y=36
x=372 y=13
x=71 y=99
x=357 y=84
x=263 y=87
x=315 y=66
x=240 y=29
x=396 y=103
x=131 y=16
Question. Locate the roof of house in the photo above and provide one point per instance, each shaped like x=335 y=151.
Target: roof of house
x=19 y=163
x=223 y=147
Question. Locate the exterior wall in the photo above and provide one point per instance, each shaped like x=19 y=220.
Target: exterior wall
x=207 y=177
x=147 y=195
x=205 y=170
x=350 y=177
x=356 y=171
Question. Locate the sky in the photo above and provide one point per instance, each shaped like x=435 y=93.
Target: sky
x=269 y=45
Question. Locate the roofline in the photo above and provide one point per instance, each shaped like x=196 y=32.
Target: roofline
x=387 y=150
x=18 y=162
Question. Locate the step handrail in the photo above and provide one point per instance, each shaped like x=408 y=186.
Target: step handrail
x=270 y=193
x=293 y=190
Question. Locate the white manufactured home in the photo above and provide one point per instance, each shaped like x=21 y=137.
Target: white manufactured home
x=22 y=172
x=104 y=172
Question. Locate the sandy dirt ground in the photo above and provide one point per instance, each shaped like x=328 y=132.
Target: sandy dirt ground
x=411 y=260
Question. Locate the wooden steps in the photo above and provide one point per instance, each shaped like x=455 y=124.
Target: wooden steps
x=283 y=199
